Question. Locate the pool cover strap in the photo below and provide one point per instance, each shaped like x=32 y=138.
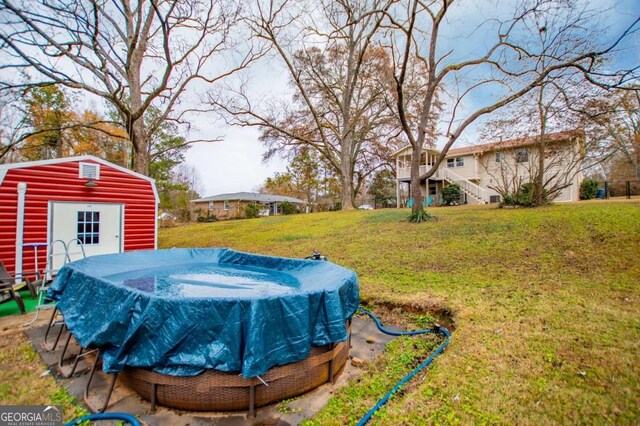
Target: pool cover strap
x=118 y=303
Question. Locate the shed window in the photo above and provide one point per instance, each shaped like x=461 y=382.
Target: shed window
x=522 y=156
x=89 y=171
x=226 y=205
x=88 y=227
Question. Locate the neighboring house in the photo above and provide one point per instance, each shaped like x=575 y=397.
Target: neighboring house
x=166 y=219
x=52 y=203
x=483 y=171
x=225 y=206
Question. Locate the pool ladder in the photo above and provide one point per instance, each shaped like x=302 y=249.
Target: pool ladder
x=47 y=277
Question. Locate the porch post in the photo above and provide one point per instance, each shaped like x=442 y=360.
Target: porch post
x=408 y=193
x=427 y=192
x=397 y=194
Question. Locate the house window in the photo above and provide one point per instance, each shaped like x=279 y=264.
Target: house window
x=405 y=161
x=522 y=156
x=89 y=171
x=226 y=205
x=451 y=162
x=210 y=205
x=88 y=228
x=499 y=157
x=460 y=162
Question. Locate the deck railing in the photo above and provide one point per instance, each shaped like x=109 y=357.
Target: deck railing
x=447 y=174
x=467 y=186
x=405 y=172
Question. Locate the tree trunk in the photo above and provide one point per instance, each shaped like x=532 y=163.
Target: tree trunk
x=140 y=144
x=347 y=195
x=538 y=194
x=637 y=149
x=136 y=114
x=539 y=181
x=58 y=125
x=415 y=190
x=346 y=183
x=59 y=151
x=346 y=172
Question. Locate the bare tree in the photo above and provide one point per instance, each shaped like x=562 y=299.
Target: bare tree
x=548 y=110
x=613 y=122
x=188 y=176
x=23 y=135
x=135 y=54
x=541 y=169
x=515 y=168
x=337 y=76
x=610 y=121
x=509 y=68
x=12 y=125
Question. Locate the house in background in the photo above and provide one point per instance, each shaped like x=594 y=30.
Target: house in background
x=232 y=205
x=481 y=169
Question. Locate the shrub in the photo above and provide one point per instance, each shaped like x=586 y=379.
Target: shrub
x=208 y=218
x=523 y=197
x=451 y=194
x=422 y=216
x=288 y=208
x=520 y=198
x=252 y=211
x=588 y=189
x=337 y=206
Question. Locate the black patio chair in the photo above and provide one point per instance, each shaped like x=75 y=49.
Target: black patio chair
x=7 y=290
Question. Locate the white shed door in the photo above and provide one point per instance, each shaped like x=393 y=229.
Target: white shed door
x=97 y=225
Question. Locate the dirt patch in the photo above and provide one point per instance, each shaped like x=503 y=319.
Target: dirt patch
x=411 y=315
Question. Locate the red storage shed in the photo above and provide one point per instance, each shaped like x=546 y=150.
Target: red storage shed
x=108 y=208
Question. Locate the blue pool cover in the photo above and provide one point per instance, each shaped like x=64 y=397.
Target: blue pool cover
x=182 y=311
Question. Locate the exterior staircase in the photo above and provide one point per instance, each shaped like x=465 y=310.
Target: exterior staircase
x=472 y=190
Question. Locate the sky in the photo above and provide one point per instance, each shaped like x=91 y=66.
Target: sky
x=235 y=164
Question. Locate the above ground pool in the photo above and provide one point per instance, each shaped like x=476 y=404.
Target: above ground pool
x=211 y=329
x=181 y=313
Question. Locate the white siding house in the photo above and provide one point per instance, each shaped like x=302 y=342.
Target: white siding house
x=482 y=169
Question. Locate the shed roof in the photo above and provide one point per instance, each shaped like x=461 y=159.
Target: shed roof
x=4 y=168
x=249 y=196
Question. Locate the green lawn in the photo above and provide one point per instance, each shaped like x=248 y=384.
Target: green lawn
x=23 y=380
x=11 y=307
x=546 y=304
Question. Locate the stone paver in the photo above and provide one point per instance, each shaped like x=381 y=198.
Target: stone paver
x=366 y=343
